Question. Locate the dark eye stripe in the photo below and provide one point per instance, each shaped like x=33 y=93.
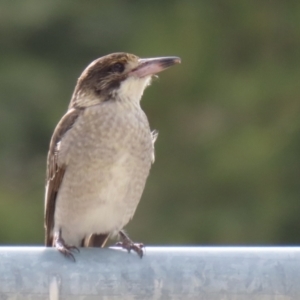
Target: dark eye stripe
x=117 y=67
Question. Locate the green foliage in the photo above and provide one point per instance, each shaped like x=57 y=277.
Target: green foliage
x=227 y=156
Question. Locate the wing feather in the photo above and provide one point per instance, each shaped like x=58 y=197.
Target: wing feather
x=55 y=171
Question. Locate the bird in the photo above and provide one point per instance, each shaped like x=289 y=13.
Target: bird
x=100 y=155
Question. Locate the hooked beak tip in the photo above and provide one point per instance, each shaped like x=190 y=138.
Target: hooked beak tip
x=152 y=66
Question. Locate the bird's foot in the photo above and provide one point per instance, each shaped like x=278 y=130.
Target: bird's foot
x=128 y=244
x=63 y=248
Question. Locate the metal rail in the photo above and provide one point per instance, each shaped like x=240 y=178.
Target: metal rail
x=207 y=273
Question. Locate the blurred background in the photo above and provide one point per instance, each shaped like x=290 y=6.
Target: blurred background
x=227 y=164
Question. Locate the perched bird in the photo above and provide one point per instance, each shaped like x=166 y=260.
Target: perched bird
x=100 y=154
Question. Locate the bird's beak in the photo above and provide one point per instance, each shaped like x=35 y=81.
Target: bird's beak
x=151 y=66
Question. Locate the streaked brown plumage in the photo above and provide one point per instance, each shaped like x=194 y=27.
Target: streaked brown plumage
x=100 y=154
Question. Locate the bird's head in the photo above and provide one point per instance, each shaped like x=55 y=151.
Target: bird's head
x=117 y=76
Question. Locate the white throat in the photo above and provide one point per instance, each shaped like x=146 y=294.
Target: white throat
x=132 y=88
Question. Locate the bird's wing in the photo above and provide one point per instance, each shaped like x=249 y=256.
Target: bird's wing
x=55 y=171
x=154 y=135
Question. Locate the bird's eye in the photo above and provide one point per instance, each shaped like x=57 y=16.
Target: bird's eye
x=117 y=67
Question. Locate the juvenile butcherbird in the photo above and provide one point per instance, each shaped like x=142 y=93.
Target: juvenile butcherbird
x=100 y=154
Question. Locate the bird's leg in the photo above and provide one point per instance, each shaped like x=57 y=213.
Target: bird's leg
x=128 y=244
x=62 y=247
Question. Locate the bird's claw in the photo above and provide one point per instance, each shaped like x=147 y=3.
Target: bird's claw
x=128 y=244
x=65 y=249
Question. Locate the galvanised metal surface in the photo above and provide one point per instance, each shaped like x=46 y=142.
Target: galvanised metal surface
x=206 y=273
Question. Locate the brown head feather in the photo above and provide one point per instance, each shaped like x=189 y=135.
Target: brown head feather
x=102 y=76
